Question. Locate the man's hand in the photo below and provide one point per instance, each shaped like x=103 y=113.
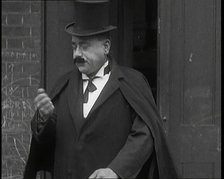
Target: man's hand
x=43 y=103
x=104 y=173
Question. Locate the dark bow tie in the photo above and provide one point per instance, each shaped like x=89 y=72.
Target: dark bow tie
x=91 y=87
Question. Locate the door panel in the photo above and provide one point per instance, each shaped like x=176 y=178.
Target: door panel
x=189 y=84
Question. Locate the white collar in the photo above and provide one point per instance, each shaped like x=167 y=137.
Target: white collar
x=100 y=72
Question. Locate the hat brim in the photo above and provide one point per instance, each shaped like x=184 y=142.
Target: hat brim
x=72 y=29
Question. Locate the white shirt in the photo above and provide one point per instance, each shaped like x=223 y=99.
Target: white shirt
x=99 y=83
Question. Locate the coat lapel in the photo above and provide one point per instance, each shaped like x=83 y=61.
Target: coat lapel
x=75 y=99
x=111 y=86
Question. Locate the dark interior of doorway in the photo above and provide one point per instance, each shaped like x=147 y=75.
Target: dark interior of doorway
x=145 y=40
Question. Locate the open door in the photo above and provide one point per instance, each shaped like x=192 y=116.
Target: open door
x=189 y=84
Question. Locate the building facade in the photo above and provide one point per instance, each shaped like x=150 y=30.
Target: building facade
x=176 y=44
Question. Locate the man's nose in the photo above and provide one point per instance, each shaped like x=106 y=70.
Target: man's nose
x=77 y=52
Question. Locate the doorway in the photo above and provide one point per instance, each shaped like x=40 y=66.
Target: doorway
x=135 y=42
x=145 y=40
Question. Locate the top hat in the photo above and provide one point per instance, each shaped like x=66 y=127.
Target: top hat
x=92 y=18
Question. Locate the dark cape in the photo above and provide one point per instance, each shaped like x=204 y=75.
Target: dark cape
x=137 y=92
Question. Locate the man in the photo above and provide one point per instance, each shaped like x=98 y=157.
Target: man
x=100 y=120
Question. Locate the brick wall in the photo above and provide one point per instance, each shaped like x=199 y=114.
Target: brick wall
x=20 y=80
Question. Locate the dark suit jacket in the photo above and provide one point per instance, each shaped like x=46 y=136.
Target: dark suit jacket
x=73 y=147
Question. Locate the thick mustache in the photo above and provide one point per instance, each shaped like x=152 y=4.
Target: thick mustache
x=79 y=60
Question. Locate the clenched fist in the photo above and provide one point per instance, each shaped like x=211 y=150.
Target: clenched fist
x=43 y=103
x=104 y=173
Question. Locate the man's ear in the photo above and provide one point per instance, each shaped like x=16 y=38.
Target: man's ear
x=107 y=45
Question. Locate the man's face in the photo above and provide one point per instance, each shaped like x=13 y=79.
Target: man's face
x=89 y=53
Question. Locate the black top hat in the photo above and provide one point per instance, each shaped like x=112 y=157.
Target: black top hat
x=92 y=18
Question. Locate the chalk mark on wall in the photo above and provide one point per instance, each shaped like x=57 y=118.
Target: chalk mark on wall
x=17 y=111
